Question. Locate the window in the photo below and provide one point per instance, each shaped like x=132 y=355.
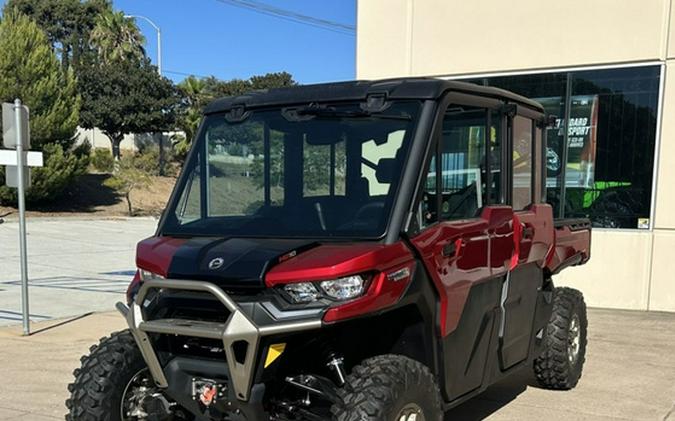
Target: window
x=329 y=172
x=494 y=176
x=606 y=152
x=189 y=207
x=237 y=168
x=462 y=155
x=324 y=169
x=522 y=162
x=461 y=160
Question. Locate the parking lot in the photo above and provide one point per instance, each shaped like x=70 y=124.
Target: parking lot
x=628 y=375
x=81 y=266
x=75 y=265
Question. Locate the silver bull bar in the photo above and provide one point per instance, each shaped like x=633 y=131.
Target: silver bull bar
x=238 y=327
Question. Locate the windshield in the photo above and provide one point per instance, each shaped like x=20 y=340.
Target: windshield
x=329 y=171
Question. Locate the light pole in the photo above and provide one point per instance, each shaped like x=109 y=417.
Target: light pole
x=159 y=39
x=159 y=70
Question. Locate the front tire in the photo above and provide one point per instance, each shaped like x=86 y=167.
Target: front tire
x=561 y=361
x=389 y=388
x=111 y=383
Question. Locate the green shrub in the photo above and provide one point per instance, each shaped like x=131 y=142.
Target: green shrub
x=50 y=181
x=83 y=153
x=181 y=147
x=148 y=161
x=102 y=160
x=127 y=177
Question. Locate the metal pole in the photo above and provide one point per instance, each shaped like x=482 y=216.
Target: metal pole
x=159 y=71
x=159 y=51
x=22 y=217
x=159 y=38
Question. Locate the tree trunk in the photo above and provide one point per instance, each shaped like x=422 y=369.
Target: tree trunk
x=128 y=197
x=116 y=149
x=160 y=142
x=115 y=140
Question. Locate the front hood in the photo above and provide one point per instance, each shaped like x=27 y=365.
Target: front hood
x=231 y=263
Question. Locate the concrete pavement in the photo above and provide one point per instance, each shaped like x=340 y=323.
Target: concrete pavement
x=82 y=265
x=76 y=265
x=629 y=373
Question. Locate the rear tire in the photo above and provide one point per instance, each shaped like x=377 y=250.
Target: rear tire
x=389 y=388
x=561 y=361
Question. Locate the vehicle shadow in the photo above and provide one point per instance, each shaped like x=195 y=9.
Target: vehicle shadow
x=494 y=398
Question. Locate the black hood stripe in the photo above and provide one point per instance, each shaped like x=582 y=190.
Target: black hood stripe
x=238 y=263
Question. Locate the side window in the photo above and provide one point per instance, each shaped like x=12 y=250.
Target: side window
x=459 y=175
x=462 y=162
x=426 y=214
x=494 y=176
x=522 y=162
x=539 y=168
x=189 y=205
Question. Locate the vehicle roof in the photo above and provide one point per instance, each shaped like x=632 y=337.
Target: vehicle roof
x=404 y=88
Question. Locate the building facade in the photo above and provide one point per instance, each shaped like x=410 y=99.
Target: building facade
x=606 y=69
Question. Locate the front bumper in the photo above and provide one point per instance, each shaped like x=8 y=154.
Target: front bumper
x=238 y=329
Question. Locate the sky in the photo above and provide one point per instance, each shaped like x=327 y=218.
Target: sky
x=209 y=37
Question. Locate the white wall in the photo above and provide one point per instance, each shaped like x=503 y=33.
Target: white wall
x=628 y=269
x=445 y=37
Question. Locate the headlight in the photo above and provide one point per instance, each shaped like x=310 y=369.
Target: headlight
x=344 y=288
x=303 y=292
x=340 y=289
x=146 y=275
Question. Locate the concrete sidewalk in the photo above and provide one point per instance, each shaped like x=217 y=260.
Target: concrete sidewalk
x=629 y=373
x=76 y=265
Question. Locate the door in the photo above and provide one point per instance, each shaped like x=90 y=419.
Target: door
x=532 y=238
x=459 y=216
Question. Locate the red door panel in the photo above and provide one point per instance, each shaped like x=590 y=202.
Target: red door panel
x=460 y=254
x=537 y=234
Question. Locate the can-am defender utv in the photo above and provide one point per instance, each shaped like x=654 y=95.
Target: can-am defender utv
x=349 y=251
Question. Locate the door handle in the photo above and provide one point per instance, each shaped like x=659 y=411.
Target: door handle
x=451 y=247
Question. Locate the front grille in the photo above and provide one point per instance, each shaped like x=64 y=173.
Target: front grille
x=186 y=305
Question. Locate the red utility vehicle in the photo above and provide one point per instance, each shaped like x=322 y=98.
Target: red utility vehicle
x=351 y=251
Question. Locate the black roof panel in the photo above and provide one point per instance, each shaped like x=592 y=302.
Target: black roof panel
x=406 y=88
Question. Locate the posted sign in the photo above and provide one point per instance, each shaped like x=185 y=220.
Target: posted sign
x=9 y=126
x=581 y=137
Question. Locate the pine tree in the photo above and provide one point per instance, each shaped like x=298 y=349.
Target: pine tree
x=30 y=70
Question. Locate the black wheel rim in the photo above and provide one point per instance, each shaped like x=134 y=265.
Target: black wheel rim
x=139 y=388
x=410 y=412
x=574 y=340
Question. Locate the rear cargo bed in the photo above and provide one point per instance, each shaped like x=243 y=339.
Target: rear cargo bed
x=572 y=243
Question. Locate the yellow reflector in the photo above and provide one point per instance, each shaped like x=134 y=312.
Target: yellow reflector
x=273 y=353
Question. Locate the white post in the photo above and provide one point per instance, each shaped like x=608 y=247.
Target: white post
x=159 y=51
x=159 y=38
x=22 y=216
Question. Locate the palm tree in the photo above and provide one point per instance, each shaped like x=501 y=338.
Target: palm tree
x=117 y=38
x=194 y=91
x=195 y=96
